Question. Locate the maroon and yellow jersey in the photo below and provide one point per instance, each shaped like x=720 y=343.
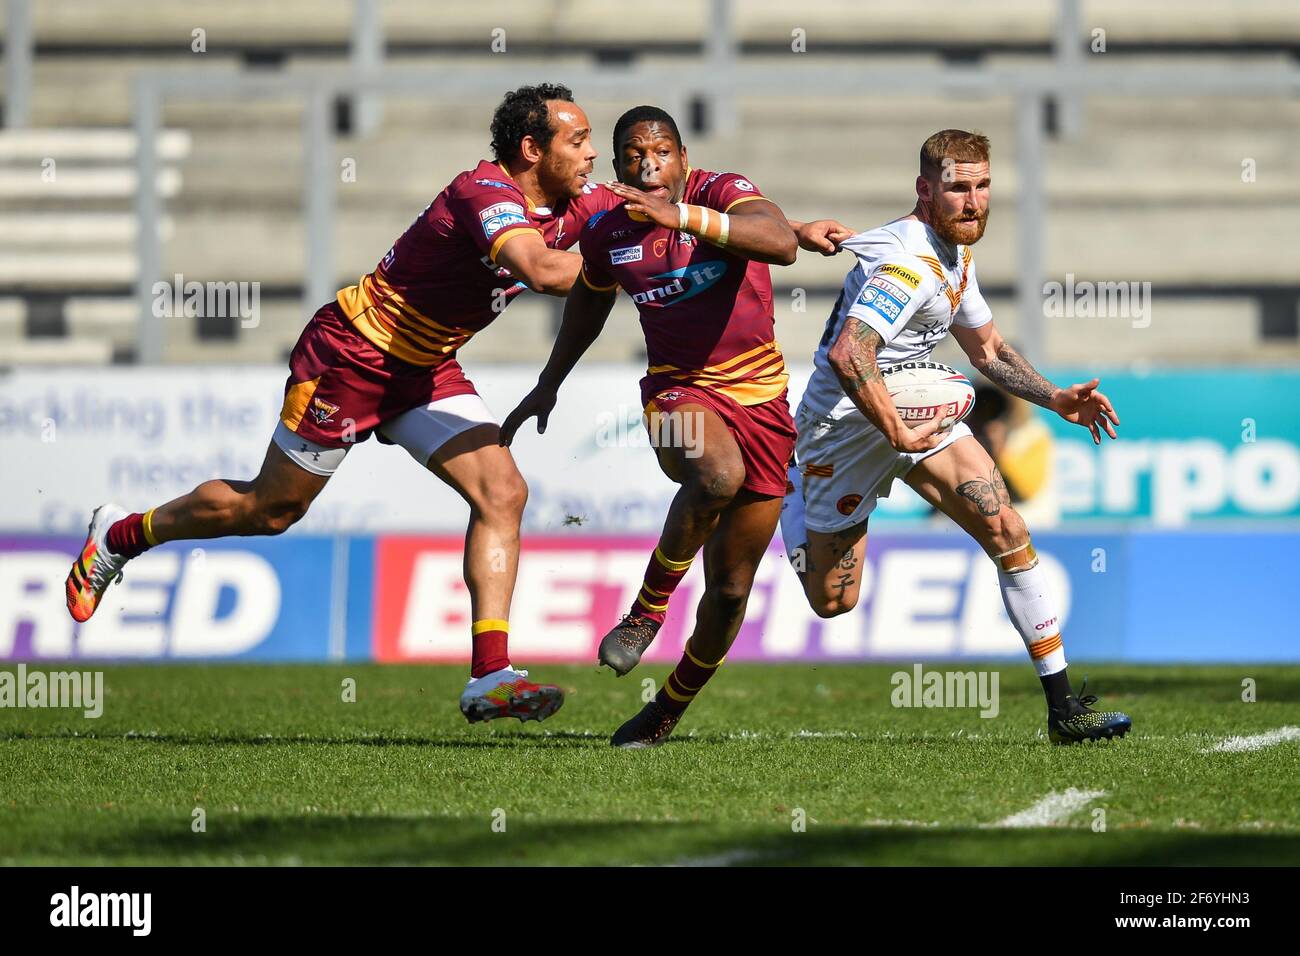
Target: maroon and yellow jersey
x=440 y=283
x=706 y=314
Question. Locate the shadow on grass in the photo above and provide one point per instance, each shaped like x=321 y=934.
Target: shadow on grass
x=520 y=738
x=381 y=840
x=543 y=740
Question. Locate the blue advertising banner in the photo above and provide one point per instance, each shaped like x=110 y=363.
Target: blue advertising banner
x=236 y=599
x=1140 y=596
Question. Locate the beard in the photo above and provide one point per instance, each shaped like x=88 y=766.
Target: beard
x=958 y=231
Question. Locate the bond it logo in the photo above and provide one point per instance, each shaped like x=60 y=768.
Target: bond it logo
x=686 y=282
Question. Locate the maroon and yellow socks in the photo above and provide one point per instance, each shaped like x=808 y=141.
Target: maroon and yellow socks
x=491 y=646
x=131 y=536
x=662 y=575
x=687 y=679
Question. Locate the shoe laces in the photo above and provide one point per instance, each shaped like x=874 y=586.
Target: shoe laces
x=1083 y=696
x=107 y=570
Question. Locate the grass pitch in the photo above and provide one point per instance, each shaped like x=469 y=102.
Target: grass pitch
x=286 y=772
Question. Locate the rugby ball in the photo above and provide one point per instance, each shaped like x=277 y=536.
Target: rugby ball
x=922 y=390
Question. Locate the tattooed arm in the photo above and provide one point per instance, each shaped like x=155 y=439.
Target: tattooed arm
x=853 y=357
x=1001 y=364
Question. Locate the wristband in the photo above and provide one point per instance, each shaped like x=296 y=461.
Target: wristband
x=706 y=223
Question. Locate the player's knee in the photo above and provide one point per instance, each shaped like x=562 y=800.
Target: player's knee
x=504 y=497
x=832 y=605
x=713 y=489
x=277 y=516
x=730 y=596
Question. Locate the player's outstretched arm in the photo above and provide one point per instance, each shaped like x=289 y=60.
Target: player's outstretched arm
x=754 y=230
x=585 y=312
x=853 y=357
x=1002 y=365
x=820 y=235
x=543 y=269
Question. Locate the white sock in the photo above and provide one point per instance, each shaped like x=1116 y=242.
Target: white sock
x=1032 y=609
x=793 y=533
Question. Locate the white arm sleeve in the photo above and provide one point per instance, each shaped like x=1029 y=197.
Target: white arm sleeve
x=894 y=289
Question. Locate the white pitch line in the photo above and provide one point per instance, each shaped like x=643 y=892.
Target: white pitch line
x=1053 y=808
x=1255 y=741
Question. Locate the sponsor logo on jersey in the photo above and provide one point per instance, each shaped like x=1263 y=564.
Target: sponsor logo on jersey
x=491 y=182
x=618 y=257
x=669 y=396
x=323 y=411
x=621 y=233
x=499 y=216
x=818 y=471
x=709 y=182
x=660 y=247
x=687 y=282
x=597 y=215
x=744 y=185
x=881 y=302
x=848 y=504
x=895 y=290
x=904 y=273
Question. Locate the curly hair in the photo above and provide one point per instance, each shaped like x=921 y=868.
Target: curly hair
x=523 y=113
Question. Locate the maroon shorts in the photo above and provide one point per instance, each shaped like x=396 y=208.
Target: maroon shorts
x=765 y=433
x=341 y=387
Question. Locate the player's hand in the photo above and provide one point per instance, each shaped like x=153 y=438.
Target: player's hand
x=823 y=235
x=539 y=403
x=1083 y=405
x=659 y=211
x=924 y=436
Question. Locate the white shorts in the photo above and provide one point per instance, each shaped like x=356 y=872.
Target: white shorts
x=847 y=464
x=421 y=431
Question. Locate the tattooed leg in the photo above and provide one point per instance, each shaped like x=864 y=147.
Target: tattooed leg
x=989 y=495
x=963 y=483
x=834 y=578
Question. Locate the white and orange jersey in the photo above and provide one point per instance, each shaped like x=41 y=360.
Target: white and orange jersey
x=910 y=286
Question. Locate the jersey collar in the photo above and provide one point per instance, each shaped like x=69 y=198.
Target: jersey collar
x=505 y=172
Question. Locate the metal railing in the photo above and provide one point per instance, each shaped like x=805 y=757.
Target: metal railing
x=716 y=75
x=1030 y=90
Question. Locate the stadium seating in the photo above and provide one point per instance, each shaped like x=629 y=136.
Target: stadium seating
x=1151 y=191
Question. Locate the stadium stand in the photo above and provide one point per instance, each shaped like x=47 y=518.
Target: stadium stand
x=231 y=179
